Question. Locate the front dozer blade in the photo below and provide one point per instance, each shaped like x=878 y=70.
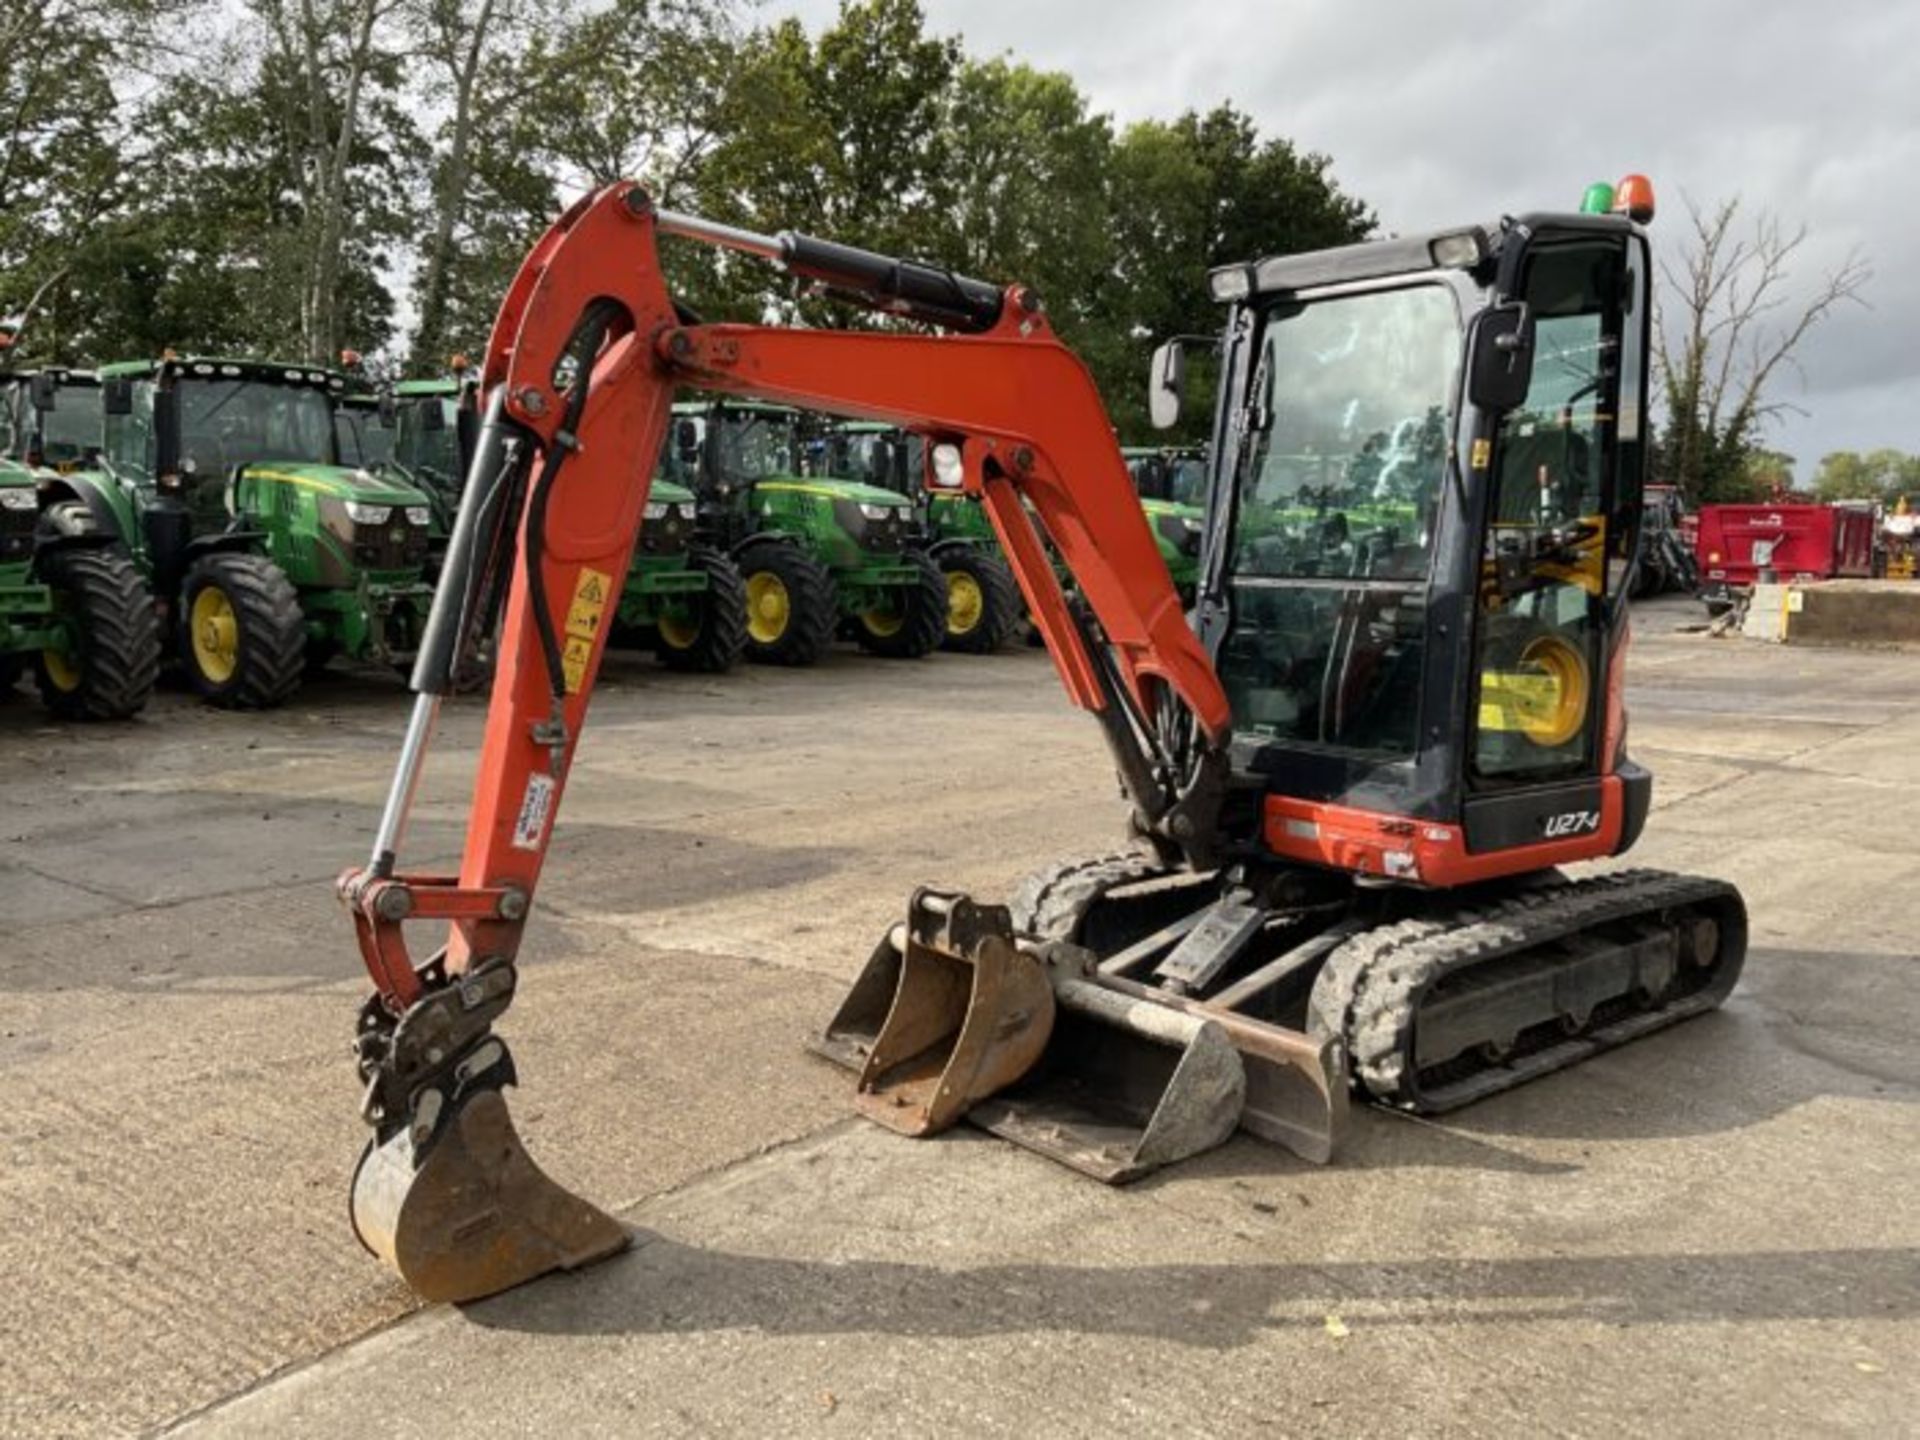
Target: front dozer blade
x=469 y=1214
x=1126 y=1086
x=969 y=1014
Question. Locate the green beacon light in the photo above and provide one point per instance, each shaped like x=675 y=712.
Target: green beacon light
x=1598 y=200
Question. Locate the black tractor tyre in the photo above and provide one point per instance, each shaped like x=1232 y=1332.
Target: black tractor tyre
x=721 y=630
x=112 y=674
x=998 y=609
x=803 y=627
x=268 y=653
x=917 y=630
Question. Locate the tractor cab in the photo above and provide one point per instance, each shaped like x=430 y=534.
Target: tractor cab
x=433 y=424
x=363 y=430
x=249 y=520
x=1172 y=485
x=1423 y=510
x=50 y=419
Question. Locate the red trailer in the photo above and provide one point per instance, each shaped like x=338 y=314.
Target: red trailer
x=1738 y=545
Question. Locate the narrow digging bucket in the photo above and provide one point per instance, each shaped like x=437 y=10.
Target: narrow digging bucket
x=849 y=1036
x=472 y=1215
x=1126 y=1086
x=969 y=1015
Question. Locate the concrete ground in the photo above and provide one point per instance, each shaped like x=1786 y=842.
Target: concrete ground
x=1713 y=1231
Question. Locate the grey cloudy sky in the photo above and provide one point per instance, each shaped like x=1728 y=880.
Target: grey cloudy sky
x=1439 y=114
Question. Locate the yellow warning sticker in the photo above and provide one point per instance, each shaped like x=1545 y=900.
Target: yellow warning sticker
x=591 y=592
x=1482 y=454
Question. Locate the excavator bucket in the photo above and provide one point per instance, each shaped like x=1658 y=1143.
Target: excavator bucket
x=469 y=1214
x=1127 y=1086
x=969 y=1015
x=953 y=1016
x=850 y=1034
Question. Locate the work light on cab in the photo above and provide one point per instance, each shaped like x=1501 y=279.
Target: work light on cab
x=1633 y=197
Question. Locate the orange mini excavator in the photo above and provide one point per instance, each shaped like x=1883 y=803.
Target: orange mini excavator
x=1352 y=770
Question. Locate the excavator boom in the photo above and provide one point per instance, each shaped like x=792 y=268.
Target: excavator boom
x=581 y=371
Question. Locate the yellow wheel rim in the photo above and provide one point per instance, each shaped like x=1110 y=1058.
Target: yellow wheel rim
x=677 y=631
x=769 y=609
x=1566 y=671
x=61 y=670
x=215 y=632
x=965 y=603
x=882 y=622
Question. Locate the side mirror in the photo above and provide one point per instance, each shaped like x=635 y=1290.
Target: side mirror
x=44 y=392
x=1500 y=357
x=1166 y=385
x=686 y=440
x=116 y=397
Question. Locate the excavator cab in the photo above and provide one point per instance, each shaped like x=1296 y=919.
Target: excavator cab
x=1414 y=579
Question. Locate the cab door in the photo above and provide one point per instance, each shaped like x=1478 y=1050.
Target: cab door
x=1560 y=519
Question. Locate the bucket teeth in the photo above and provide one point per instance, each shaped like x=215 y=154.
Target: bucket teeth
x=466 y=1213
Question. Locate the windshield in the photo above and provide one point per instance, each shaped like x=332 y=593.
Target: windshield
x=72 y=427
x=750 y=446
x=1345 y=475
x=224 y=423
x=890 y=459
x=431 y=451
x=362 y=439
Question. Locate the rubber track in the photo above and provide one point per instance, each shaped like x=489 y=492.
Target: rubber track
x=1002 y=596
x=1053 y=903
x=814 y=611
x=723 y=617
x=121 y=658
x=1385 y=973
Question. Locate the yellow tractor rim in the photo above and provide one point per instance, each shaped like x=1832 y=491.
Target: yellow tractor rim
x=769 y=609
x=883 y=622
x=1564 y=710
x=678 y=632
x=61 y=670
x=965 y=603
x=215 y=633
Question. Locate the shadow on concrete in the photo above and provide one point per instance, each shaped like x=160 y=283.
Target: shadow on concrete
x=1802 y=1026
x=664 y=1287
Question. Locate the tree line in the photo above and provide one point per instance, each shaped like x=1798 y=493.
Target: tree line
x=295 y=177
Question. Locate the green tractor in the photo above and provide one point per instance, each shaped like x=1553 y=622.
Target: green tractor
x=72 y=605
x=1172 y=485
x=984 y=605
x=820 y=556
x=223 y=479
x=431 y=424
x=685 y=600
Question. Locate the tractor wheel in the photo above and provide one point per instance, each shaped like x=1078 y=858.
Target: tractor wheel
x=983 y=602
x=712 y=638
x=111 y=673
x=915 y=623
x=791 y=607
x=243 y=639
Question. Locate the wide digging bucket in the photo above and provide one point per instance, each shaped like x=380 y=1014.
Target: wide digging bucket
x=1127 y=1085
x=470 y=1214
x=969 y=1014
